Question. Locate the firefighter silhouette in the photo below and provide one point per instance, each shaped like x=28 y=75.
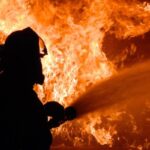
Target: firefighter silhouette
x=24 y=119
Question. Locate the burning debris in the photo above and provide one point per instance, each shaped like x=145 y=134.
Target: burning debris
x=83 y=39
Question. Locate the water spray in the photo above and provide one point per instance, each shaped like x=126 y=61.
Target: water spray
x=131 y=85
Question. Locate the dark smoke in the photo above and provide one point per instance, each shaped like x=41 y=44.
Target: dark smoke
x=126 y=52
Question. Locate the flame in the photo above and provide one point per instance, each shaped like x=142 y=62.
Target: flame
x=73 y=32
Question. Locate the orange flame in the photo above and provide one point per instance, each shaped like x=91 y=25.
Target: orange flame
x=73 y=32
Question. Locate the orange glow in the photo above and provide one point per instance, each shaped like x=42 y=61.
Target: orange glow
x=73 y=32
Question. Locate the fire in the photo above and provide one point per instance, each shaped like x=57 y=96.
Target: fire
x=73 y=32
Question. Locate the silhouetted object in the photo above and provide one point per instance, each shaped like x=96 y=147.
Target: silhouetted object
x=58 y=113
x=70 y=113
x=23 y=120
